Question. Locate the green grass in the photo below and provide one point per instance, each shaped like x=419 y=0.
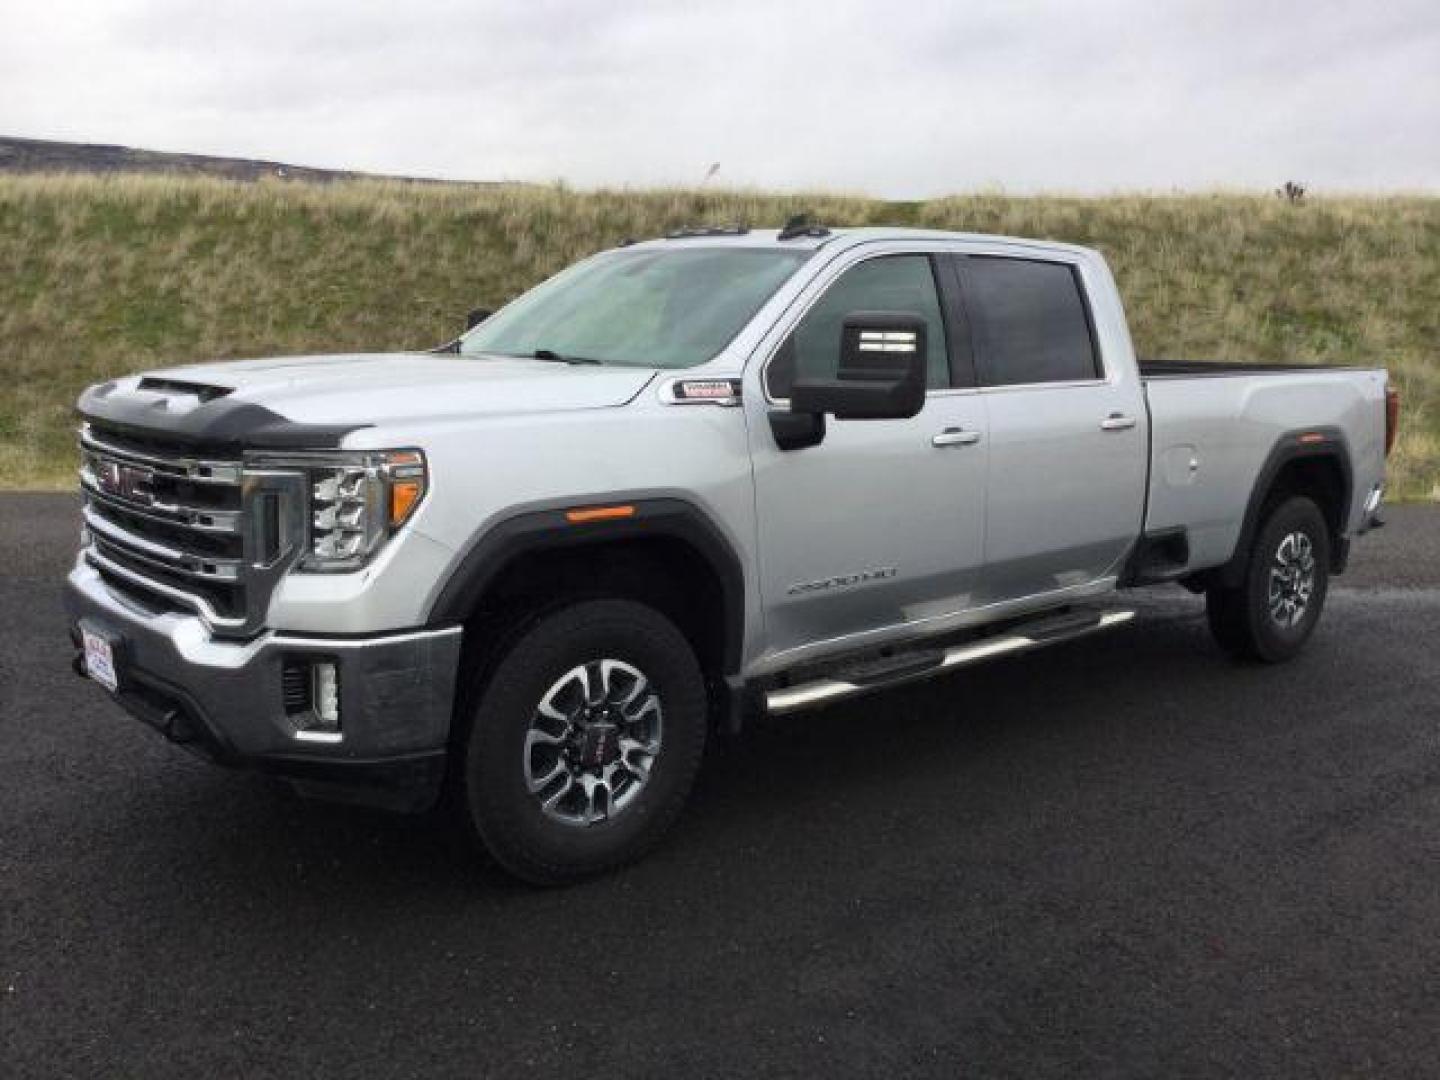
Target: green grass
x=101 y=276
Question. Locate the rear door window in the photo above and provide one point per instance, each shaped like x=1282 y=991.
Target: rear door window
x=1032 y=321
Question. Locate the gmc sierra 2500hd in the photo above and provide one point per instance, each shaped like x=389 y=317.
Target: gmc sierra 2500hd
x=721 y=471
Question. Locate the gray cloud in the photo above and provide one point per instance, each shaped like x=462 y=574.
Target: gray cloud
x=899 y=98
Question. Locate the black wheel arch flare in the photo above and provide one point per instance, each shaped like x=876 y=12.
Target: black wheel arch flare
x=544 y=530
x=1306 y=444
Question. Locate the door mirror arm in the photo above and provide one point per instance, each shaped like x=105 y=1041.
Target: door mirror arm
x=797 y=430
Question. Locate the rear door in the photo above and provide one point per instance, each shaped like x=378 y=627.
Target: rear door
x=1067 y=428
x=877 y=532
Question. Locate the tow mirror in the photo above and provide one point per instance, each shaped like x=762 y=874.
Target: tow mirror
x=476 y=317
x=881 y=376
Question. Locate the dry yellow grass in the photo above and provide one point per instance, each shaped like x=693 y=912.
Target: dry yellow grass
x=100 y=276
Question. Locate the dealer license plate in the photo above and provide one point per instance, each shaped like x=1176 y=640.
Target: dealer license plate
x=100 y=660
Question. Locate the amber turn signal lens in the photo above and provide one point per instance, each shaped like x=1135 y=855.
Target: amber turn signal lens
x=404 y=494
x=598 y=513
x=407 y=484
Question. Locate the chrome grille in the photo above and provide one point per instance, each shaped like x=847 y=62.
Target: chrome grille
x=192 y=532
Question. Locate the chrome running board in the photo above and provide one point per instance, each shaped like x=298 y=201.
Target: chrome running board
x=922 y=664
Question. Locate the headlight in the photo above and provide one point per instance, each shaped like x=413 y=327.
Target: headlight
x=357 y=501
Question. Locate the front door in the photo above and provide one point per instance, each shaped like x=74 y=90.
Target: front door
x=878 y=532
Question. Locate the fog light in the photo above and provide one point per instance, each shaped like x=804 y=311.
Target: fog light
x=311 y=692
x=327 y=696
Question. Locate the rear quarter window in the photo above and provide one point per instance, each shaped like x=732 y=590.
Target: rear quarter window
x=1032 y=321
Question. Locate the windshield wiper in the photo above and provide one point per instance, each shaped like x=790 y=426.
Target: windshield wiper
x=551 y=354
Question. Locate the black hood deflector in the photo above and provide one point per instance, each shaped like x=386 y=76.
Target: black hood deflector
x=220 y=425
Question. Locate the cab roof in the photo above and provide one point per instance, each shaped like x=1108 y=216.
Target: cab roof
x=837 y=239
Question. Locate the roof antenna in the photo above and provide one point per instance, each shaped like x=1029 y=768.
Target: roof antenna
x=801 y=225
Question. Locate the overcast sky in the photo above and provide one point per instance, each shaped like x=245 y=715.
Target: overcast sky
x=902 y=98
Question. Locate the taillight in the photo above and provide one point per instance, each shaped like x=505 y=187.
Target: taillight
x=1392 y=417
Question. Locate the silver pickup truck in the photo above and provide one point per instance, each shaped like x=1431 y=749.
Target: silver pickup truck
x=683 y=481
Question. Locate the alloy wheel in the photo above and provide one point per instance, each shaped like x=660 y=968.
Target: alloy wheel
x=1292 y=580
x=592 y=742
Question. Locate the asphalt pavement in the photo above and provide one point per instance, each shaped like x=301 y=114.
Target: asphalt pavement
x=1126 y=856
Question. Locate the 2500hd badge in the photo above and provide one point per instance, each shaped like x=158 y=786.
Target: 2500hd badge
x=842 y=581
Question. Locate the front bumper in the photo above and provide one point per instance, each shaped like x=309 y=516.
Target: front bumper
x=224 y=699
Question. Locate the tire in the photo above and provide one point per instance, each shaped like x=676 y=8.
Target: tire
x=563 y=720
x=1271 y=614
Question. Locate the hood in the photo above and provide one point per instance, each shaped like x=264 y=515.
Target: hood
x=350 y=387
x=345 y=392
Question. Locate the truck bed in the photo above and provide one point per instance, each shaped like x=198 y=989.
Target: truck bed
x=1213 y=425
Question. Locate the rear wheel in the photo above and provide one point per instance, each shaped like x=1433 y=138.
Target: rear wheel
x=585 y=741
x=1273 y=611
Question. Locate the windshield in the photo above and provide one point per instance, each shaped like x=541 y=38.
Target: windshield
x=666 y=309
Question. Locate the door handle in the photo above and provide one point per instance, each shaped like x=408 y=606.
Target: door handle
x=955 y=437
x=1117 y=422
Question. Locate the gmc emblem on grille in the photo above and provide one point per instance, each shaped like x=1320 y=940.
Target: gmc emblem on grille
x=128 y=482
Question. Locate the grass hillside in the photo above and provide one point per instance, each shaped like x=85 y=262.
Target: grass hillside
x=100 y=276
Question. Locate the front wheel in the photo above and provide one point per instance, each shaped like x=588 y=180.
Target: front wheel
x=1273 y=611
x=585 y=741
